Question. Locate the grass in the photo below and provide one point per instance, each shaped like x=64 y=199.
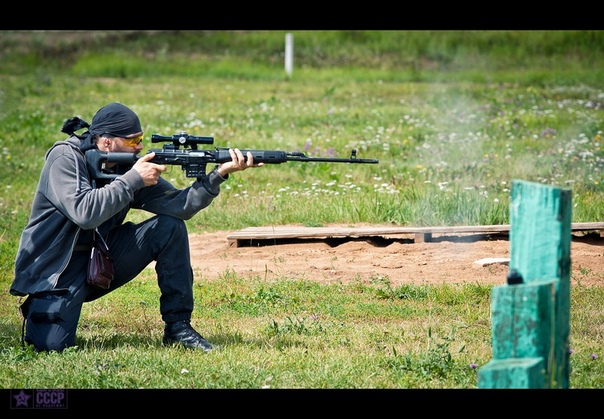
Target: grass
x=453 y=117
x=271 y=337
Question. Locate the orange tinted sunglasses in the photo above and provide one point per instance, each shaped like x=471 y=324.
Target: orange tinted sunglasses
x=131 y=141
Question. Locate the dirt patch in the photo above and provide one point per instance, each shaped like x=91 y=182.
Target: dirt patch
x=445 y=259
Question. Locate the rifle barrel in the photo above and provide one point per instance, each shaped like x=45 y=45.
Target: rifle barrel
x=278 y=156
x=333 y=159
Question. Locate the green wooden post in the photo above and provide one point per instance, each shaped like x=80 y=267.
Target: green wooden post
x=531 y=320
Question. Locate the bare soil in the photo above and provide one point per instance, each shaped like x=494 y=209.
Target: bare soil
x=478 y=259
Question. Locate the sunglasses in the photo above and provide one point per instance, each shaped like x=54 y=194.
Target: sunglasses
x=131 y=141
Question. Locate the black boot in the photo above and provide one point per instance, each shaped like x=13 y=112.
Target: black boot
x=182 y=333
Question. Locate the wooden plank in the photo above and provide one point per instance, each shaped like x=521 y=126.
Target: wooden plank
x=315 y=232
x=421 y=234
x=516 y=373
x=540 y=237
x=522 y=318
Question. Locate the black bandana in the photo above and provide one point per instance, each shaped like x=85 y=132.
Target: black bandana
x=115 y=119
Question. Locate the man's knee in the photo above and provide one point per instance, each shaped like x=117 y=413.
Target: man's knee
x=46 y=317
x=172 y=229
x=47 y=308
x=44 y=341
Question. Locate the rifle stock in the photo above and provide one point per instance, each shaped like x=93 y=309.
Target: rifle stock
x=96 y=159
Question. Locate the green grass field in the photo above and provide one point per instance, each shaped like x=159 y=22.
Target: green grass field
x=453 y=117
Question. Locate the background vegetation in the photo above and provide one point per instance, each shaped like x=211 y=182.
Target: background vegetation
x=453 y=117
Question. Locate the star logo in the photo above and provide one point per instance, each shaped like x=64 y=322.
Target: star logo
x=22 y=399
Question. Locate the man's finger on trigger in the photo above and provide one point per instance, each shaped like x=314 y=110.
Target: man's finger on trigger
x=148 y=156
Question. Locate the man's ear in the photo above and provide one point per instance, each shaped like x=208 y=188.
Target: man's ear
x=101 y=142
x=104 y=141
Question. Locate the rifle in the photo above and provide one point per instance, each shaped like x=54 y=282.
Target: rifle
x=193 y=161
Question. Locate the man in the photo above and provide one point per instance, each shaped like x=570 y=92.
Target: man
x=54 y=249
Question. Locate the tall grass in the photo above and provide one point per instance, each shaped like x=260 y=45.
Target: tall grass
x=453 y=117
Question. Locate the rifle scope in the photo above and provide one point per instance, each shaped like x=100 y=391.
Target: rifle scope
x=183 y=139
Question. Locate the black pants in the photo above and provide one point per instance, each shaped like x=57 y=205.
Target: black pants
x=52 y=319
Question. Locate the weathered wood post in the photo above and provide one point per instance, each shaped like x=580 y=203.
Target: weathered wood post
x=531 y=314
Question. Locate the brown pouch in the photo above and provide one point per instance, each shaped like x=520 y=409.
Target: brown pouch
x=100 y=265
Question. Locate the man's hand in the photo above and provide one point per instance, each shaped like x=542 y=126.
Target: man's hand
x=237 y=163
x=150 y=172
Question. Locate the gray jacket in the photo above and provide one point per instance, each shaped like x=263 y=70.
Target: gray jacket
x=66 y=203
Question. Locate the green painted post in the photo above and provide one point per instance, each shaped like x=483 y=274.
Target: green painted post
x=531 y=320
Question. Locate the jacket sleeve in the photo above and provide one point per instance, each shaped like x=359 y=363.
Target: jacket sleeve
x=165 y=198
x=68 y=187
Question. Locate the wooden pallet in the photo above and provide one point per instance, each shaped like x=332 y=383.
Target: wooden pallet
x=420 y=234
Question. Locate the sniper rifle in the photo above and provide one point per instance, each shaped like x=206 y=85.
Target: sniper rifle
x=193 y=161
